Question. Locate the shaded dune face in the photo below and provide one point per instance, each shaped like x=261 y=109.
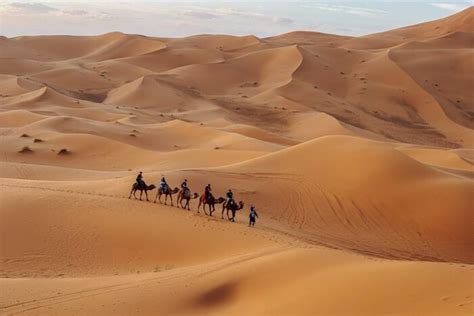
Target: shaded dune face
x=364 y=145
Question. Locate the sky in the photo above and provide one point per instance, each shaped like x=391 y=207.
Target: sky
x=262 y=18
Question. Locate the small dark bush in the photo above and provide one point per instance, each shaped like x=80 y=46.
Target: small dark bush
x=64 y=151
x=25 y=150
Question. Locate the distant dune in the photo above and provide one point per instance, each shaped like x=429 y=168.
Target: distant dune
x=358 y=153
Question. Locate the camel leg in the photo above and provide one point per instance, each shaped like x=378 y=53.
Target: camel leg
x=199 y=205
x=131 y=192
x=146 y=194
x=187 y=204
x=171 y=198
x=222 y=213
x=228 y=215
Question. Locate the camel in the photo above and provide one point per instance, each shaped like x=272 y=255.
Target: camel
x=185 y=195
x=141 y=188
x=211 y=201
x=233 y=207
x=167 y=192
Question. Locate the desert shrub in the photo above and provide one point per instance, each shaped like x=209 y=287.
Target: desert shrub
x=25 y=150
x=64 y=151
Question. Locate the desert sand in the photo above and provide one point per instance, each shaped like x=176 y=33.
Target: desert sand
x=358 y=154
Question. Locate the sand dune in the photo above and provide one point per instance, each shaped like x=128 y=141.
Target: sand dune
x=171 y=58
x=358 y=154
x=220 y=42
x=251 y=72
x=13 y=85
x=18 y=118
x=392 y=186
x=67 y=77
x=145 y=91
x=107 y=46
x=323 y=124
x=461 y=22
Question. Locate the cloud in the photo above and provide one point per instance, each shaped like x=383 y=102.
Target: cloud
x=32 y=8
x=345 y=9
x=76 y=12
x=200 y=15
x=455 y=7
x=36 y=9
x=282 y=20
x=235 y=12
x=188 y=17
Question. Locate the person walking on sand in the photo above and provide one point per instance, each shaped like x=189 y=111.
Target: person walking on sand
x=252 y=216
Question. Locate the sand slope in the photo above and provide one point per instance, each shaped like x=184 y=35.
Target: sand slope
x=358 y=154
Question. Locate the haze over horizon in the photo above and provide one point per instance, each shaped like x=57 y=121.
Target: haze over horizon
x=184 y=18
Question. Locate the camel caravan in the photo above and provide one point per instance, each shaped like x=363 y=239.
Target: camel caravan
x=184 y=197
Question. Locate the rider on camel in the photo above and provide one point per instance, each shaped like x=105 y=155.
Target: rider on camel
x=163 y=184
x=207 y=191
x=140 y=179
x=230 y=198
x=184 y=185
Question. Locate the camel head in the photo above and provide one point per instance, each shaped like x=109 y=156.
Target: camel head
x=195 y=196
x=151 y=187
x=241 y=205
x=220 y=200
x=175 y=190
